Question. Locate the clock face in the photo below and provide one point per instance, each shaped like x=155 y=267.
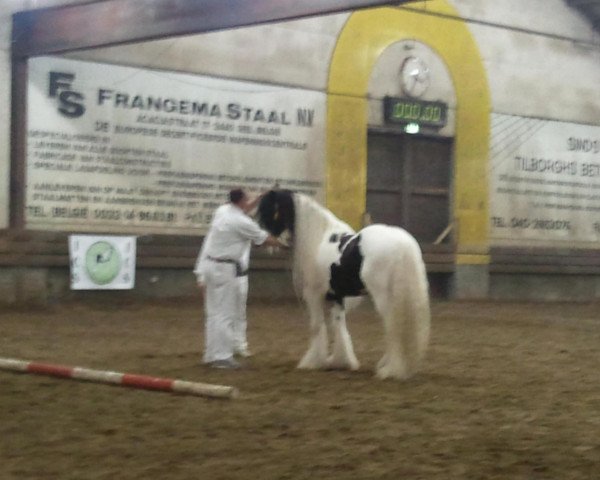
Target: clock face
x=414 y=76
x=102 y=262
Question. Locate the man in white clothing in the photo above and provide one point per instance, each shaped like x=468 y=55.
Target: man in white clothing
x=222 y=261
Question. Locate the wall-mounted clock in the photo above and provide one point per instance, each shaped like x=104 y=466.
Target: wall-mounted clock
x=414 y=76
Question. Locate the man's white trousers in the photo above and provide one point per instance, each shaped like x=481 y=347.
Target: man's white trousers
x=240 y=343
x=225 y=312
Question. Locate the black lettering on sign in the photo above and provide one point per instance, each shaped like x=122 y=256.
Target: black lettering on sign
x=101 y=214
x=64 y=212
x=36 y=211
x=305 y=117
x=157 y=216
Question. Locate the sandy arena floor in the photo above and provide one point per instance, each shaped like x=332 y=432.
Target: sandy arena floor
x=508 y=391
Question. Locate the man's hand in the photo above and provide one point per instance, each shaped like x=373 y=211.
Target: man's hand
x=283 y=245
x=251 y=204
x=272 y=241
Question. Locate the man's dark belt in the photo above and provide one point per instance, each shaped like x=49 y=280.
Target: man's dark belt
x=239 y=271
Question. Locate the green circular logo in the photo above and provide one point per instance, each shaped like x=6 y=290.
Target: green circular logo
x=102 y=262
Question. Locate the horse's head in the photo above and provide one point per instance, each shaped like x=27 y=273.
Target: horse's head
x=276 y=212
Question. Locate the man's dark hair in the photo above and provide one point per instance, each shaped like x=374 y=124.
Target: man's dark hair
x=236 y=195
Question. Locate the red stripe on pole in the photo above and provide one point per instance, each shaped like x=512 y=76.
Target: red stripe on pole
x=144 y=381
x=49 y=369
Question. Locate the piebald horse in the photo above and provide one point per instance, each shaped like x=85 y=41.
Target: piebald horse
x=331 y=262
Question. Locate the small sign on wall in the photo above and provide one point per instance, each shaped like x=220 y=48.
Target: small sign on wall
x=102 y=262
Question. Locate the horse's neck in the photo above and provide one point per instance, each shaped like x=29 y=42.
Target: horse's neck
x=312 y=222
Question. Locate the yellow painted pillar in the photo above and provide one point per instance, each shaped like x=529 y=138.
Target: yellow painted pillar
x=365 y=36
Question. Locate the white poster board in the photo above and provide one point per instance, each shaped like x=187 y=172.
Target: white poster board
x=102 y=262
x=544 y=183
x=119 y=149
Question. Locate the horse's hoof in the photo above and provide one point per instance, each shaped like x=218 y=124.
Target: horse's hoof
x=310 y=365
x=385 y=372
x=301 y=366
x=342 y=365
x=353 y=365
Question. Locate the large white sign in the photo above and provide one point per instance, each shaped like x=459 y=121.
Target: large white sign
x=118 y=149
x=545 y=182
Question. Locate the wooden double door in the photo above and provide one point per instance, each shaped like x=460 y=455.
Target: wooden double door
x=409 y=184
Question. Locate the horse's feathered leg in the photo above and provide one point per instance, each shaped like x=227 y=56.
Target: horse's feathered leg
x=316 y=355
x=392 y=364
x=405 y=312
x=342 y=356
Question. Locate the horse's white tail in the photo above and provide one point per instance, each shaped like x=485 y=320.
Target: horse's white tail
x=406 y=315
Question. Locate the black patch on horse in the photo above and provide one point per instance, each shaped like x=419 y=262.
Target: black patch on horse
x=340 y=239
x=276 y=212
x=344 y=279
x=345 y=238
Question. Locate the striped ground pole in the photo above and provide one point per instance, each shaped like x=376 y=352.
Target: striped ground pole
x=122 y=379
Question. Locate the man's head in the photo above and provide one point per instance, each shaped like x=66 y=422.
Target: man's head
x=238 y=197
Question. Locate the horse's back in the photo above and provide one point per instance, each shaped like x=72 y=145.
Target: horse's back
x=379 y=240
x=386 y=251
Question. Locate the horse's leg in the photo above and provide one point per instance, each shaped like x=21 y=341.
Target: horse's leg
x=316 y=355
x=392 y=364
x=342 y=352
x=404 y=305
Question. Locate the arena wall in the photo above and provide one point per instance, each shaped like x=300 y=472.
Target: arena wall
x=498 y=64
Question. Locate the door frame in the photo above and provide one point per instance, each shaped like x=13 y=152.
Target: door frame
x=408 y=192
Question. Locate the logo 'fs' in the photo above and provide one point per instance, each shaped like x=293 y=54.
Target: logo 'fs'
x=70 y=102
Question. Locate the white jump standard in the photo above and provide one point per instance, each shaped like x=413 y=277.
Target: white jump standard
x=122 y=379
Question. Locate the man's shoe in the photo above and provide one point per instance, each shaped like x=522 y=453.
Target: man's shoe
x=243 y=353
x=228 y=363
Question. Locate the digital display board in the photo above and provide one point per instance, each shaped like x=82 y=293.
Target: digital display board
x=407 y=110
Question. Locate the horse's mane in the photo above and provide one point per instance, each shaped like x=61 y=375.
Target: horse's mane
x=313 y=221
